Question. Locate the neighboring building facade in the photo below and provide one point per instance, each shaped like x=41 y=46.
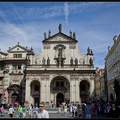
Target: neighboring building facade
x=2 y=55
x=100 y=84
x=97 y=87
x=13 y=79
x=113 y=67
x=59 y=73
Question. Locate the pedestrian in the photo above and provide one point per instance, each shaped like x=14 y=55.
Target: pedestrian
x=100 y=111
x=31 y=111
x=24 y=111
x=94 y=111
x=88 y=110
x=11 y=111
x=20 y=111
x=114 y=111
x=2 y=110
x=79 y=111
x=42 y=113
x=107 y=109
x=73 y=107
x=65 y=109
x=35 y=109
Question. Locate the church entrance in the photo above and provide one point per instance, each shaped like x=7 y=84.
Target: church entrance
x=59 y=99
x=15 y=99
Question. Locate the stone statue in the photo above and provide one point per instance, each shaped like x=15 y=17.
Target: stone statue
x=91 y=61
x=74 y=35
x=60 y=53
x=60 y=28
x=48 y=61
x=76 y=61
x=45 y=35
x=49 y=33
x=43 y=61
x=88 y=50
x=70 y=34
x=71 y=61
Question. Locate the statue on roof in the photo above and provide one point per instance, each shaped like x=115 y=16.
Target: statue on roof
x=49 y=33
x=45 y=35
x=60 y=28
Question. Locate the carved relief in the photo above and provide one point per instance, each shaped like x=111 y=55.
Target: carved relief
x=72 y=46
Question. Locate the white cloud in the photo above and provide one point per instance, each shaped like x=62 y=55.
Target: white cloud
x=66 y=11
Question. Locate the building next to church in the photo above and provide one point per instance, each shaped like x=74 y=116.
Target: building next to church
x=59 y=73
x=112 y=61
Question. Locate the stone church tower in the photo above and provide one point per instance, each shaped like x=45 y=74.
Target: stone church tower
x=60 y=73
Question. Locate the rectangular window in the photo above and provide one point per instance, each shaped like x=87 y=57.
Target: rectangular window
x=14 y=67
x=19 y=67
x=15 y=55
x=19 y=55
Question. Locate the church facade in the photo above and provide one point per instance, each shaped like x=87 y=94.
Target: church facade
x=59 y=73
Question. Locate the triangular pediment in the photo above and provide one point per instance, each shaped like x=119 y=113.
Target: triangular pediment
x=59 y=37
x=17 y=48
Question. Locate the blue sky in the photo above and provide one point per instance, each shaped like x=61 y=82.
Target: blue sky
x=95 y=24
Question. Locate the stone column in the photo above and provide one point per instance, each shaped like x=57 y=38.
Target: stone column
x=55 y=100
x=92 y=87
x=47 y=90
x=27 y=91
x=76 y=91
x=72 y=91
x=43 y=91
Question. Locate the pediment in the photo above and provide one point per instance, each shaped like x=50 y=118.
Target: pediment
x=60 y=37
x=17 y=48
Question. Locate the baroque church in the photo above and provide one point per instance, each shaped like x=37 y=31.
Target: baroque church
x=59 y=73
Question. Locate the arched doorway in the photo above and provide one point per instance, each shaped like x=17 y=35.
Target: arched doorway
x=14 y=99
x=59 y=89
x=84 y=91
x=59 y=99
x=35 y=91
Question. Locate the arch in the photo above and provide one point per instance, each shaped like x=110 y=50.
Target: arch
x=59 y=84
x=84 y=88
x=35 y=91
x=15 y=99
x=15 y=93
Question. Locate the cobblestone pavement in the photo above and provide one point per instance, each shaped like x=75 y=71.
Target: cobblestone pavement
x=52 y=114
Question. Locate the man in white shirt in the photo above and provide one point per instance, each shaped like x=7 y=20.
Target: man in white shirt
x=42 y=113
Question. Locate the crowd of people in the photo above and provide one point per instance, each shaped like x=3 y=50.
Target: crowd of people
x=34 y=111
x=98 y=109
